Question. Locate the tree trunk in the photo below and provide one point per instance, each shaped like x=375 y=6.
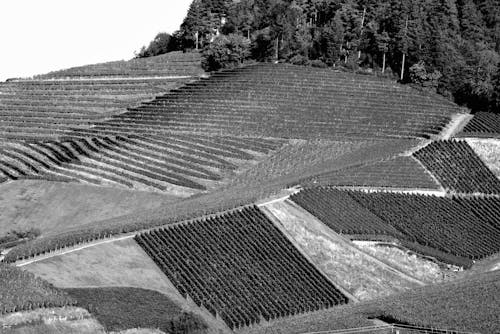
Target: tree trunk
x=277 y=46
x=383 y=63
x=403 y=66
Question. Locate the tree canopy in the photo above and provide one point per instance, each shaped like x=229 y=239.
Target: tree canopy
x=457 y=42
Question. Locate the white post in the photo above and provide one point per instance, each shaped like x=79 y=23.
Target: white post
x=404 y=53
x=361 y=34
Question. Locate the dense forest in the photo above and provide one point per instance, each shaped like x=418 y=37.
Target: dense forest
x=450 y=46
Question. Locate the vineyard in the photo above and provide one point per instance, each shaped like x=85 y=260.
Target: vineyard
x=290 y=102
x=138 y=162
x=35 y=109
x=21 y=291
x=170 y=64
x=464 y=305
x=447 y=225
x=339 y=211
x=483 y=124
x=123 y=308
x=272 y=279
x=400 y=172
x=458 y=168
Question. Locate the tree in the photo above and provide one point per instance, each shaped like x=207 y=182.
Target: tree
x=225 y=52
x=383 y=40
x=495 y=96
x=162 y=43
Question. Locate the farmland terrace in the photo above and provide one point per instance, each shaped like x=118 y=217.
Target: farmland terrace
x=331 y=158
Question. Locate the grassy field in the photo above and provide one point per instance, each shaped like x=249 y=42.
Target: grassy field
x=487 y=150
x=117 y=264
x=361 y=275
x=121 y=308
x=405 y=261
x=55 y=206
x=120 y=263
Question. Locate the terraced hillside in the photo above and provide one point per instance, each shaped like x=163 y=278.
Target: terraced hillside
x=482 y=125
x=137 y=162
x=166 y=65
x=52 y=104
x=423 y=223
x=286 y=101
x=211 y=149
x=458 y=168
x=401 y=172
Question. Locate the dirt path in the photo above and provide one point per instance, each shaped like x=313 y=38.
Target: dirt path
x=456 y=125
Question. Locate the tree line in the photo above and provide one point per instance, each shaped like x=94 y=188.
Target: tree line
x=448 y=46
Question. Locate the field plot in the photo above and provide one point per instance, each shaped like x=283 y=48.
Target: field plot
x=438 y=222
x=458 y=168
x=446 y=225
x=400 y=172
x=169 y=64
x=342 y=213
x=299 y=160
x=286 y=101
x=360 y=274
x=482 y=125
x=53 y=207
x=118 y=264
x=464 y=305
x=179 y=164
x=21 y=290
x=239 y=267
x=119 y=309
x=37 y=110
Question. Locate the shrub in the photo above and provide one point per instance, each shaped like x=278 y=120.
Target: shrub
x=226 y=51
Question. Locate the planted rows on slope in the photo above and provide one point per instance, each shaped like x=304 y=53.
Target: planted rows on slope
x=447 y=225
x=137 y=162
x=170 y=64
x=239 y=266
x=291 y=102
x=52 y=108
x=458 y=168
x=399 y=172
x=483 y=124
x=438 y=222
x=341 y=212
x=21 y=291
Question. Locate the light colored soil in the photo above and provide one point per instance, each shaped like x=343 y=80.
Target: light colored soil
x=456 y=125
x=119 y=263
x=360 y=274
x=55 y=206
x=405 y=261
x=489 y=151
x=70 y=320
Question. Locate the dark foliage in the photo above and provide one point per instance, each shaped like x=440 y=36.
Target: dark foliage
x=121 y=308
x=241 y=267
x=458 y=168
x=455 y=41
